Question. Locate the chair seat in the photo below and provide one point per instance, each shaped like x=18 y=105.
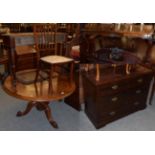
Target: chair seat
x=56 y=59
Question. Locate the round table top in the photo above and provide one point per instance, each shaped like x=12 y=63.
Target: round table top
x=39 y=92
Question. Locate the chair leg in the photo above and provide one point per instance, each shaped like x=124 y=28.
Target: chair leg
x=6 y=67
x=50 y=89
x=71 y=71
x=37 y=71
x=37 y=75
x=97 y=72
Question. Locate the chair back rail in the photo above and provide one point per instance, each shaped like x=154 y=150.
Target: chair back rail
x=47 y=39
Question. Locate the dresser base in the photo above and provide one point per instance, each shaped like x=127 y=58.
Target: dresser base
x=115 y=96
x=101 y=122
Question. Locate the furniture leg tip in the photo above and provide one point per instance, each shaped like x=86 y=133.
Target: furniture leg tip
x=19 y=113
x=54 y=124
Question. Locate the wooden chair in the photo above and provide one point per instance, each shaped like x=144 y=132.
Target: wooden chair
x=15 y=27
x=50 y=52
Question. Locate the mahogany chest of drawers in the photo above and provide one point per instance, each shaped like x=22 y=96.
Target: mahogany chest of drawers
x=115 y=95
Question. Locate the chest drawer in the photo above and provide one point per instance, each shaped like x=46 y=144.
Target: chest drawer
x=114 y=114
x=132 y=97
x=117 y=87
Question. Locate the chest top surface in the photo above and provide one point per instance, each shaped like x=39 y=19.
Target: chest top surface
x=108 y=76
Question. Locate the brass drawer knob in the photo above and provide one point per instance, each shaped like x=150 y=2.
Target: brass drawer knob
x=138 y=91
x=114 y=99
x=114 y=87
x=140 y=80
x=112 y=113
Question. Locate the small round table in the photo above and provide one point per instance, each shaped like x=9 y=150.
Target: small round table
x=38 y=96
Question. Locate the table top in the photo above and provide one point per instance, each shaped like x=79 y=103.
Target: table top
x=62 y=87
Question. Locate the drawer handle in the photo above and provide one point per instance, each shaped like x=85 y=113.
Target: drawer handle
x=112 y=113
x=136 y=103
x=114 y=99
x=138 y=91
x=114 y=87
x=140 y=80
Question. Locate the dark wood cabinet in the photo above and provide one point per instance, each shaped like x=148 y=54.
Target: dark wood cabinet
x=115 y=95
x=74 y=99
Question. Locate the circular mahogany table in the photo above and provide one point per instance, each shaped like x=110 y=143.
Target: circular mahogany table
x=37 y=94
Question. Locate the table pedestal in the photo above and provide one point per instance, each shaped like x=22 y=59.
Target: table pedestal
x=41 y=106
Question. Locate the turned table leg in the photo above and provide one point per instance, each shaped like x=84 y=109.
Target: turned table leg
x=41 y=106
x=49 y=116
x=27 y=110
